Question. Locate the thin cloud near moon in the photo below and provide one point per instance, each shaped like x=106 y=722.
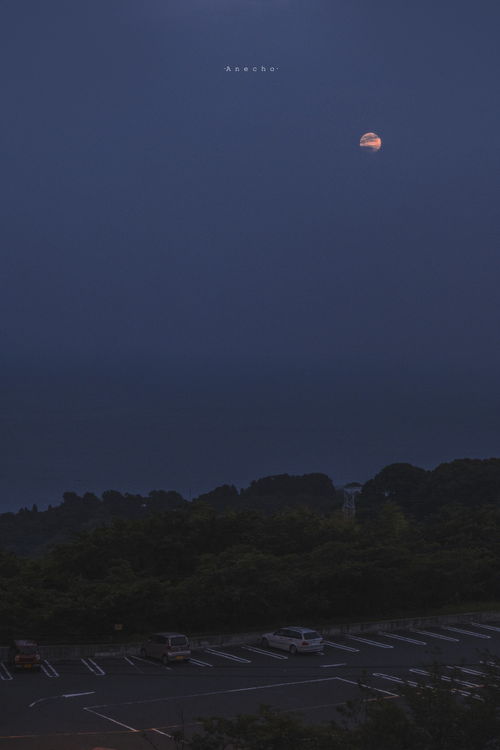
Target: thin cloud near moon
x=370 y=141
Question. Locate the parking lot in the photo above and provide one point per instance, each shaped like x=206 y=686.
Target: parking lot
x=115 y=701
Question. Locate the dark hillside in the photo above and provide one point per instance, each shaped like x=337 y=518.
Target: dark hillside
x=464 y=482
x=30 y=532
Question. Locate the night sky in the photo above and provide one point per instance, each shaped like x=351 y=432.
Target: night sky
x=204 y=278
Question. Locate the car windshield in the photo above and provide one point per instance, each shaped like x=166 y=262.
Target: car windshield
x=179 y=640
x=310 y=634
x=28 y=648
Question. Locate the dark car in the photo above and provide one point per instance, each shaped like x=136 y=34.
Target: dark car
x=167 y=647
x=24 y=654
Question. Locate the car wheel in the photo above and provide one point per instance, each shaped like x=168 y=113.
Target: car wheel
x=264 y=642
x=164 y=660
x=143 y=653
x=293 y=650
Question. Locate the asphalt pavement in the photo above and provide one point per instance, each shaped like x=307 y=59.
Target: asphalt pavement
x=129 y=703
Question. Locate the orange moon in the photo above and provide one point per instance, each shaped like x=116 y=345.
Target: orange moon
x=371 y=141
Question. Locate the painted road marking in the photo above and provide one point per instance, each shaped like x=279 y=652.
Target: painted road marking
x=468 y=671
x=465 y=632
x=420 y=671
x=200 y=663
x=486 y=627
x=403 y=638
x=228 y=656
x=341 y=646
x=96 y=666
x=151 y=663
x=132 y=664
x=223 y=692
x=65 y=695
x=392 y=678
x=370 y=643
x=435 y=635
x=361 y=684
x=4 y=672
x=158 y=731
x=48 y=669
x=263 y=651
x=120 y=723
x=444 y=678
x=325 y=666
x=93 y=667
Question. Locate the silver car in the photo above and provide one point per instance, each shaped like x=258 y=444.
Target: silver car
x=293 y=639
x=167 y=647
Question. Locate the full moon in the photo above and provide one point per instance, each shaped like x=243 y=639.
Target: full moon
x=370 y=141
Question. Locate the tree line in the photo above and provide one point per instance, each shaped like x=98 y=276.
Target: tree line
x=260 y=558
x=31 y=531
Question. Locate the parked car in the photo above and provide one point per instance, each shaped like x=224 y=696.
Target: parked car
x=24 y=654
x=294 y=639
x=167 y=647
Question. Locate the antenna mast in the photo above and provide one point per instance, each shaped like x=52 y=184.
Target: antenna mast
x=350 y=493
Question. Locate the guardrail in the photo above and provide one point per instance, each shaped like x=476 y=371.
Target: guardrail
x=234 y=639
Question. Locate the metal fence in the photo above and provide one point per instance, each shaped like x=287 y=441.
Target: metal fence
x=77 y=651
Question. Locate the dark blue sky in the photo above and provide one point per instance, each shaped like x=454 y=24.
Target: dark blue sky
x=204 y=279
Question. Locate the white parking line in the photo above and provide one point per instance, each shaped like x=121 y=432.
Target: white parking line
x=444 y=678
x=341 y=646
x=392 y=678
x=271 y=686
x=133 y=664
x=49 y=670
x=200 y=663
x=158 y=731
x=370 y=687
x=435 y=635
x=151 y=663
x=466 y=670
x=263 y=651
x=420 y=671
x=325 y=666
x=4 y=672
x=228 y=656
x=139 y=658
x=54 y=697
x=486 y=627
x=108 y=718
x=368 y=642
x=93 y=667
x=403 y=638
x=465 y=632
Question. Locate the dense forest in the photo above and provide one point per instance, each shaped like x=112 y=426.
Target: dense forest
x=30 y=531
x=277 y=551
